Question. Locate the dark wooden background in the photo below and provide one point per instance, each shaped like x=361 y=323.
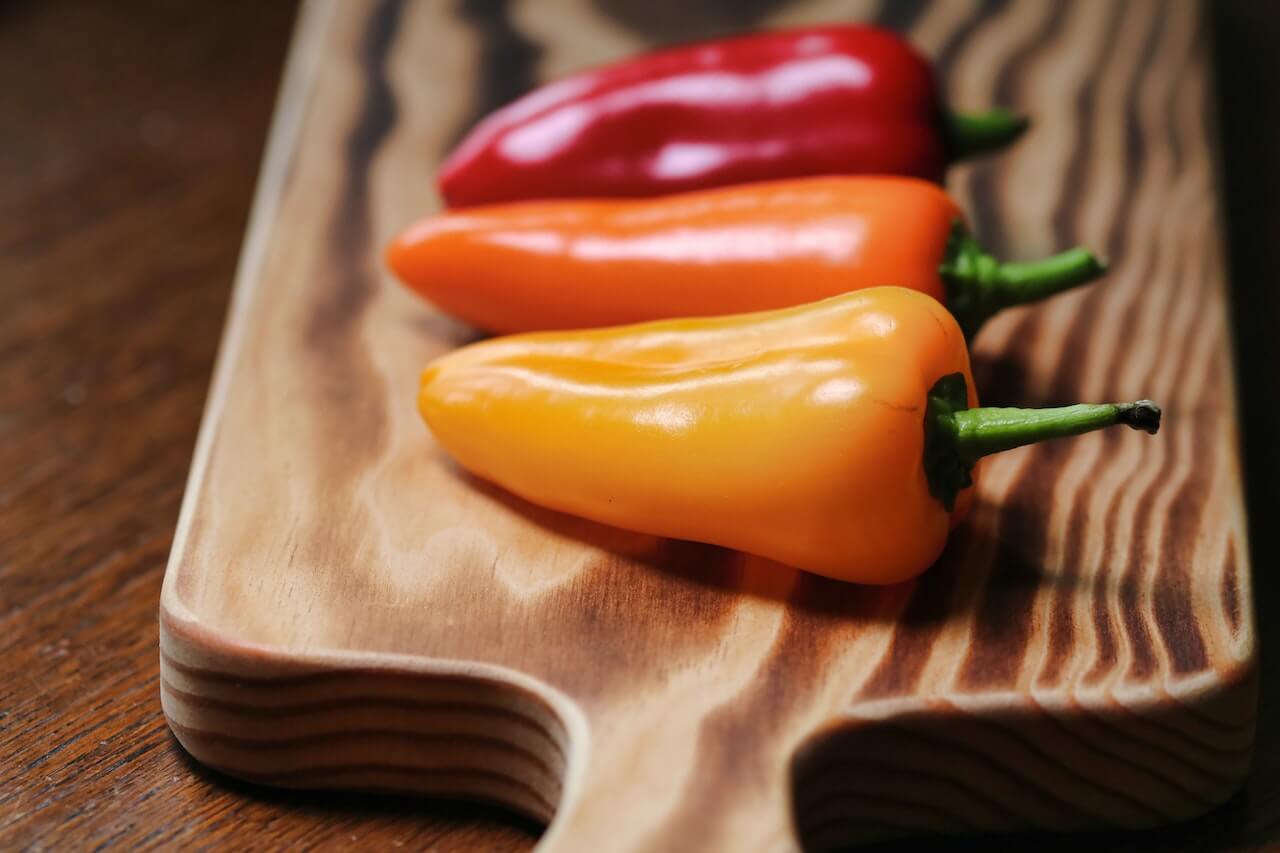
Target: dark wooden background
x=130 y=135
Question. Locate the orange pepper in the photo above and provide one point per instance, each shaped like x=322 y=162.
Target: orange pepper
x=837 y=437
x=584 y=263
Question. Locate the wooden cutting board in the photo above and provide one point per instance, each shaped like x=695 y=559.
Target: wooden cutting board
x=345 y=609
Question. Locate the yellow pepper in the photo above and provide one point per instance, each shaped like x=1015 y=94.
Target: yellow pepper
x=837 y=437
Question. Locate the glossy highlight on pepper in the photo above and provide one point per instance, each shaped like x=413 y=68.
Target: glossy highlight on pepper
x=838 y=437
x=583 y=263
x=791 y=103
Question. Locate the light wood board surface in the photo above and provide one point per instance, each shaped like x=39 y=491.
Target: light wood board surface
x=344 y=609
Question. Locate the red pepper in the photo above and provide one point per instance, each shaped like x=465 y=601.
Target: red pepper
x=821 y=100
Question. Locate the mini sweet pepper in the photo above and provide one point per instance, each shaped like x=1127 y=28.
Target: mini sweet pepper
x=583 y=263
x=838 y=437
x=814 y=101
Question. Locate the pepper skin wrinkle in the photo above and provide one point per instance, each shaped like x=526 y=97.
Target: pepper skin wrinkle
x=797 y=435
x=790 y=103
x=599 y=262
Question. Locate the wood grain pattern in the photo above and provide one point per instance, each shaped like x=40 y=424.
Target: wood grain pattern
x=344 y=609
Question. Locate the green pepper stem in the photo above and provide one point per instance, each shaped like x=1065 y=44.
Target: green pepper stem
x=983 y=431
x=956 y=436
x=1021 y=282
x=978 y=286
x=970 y=134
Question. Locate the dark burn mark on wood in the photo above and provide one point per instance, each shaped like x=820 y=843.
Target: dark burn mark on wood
x=1002 y=626
x=378 y=111
x=1131 y=599
x=822 y=617
x=1173 y=136
x=661 y=23
x=1062 y=630
x=1178 y=628
x=1129 y=595
x=1172 y=600
x=1231 y=588
x=1104 y=634
x=507 y=64
x=338 y=309
x=1172 y=605
x=921 y=623
x=956 y=42
x=901 y=15
x=1062 y=627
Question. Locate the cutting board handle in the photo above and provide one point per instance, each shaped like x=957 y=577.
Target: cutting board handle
x=428 y=727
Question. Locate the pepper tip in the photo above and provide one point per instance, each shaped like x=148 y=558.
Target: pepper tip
x=1142 y=414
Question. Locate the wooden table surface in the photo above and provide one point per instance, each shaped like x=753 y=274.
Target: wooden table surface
x=130 y=134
